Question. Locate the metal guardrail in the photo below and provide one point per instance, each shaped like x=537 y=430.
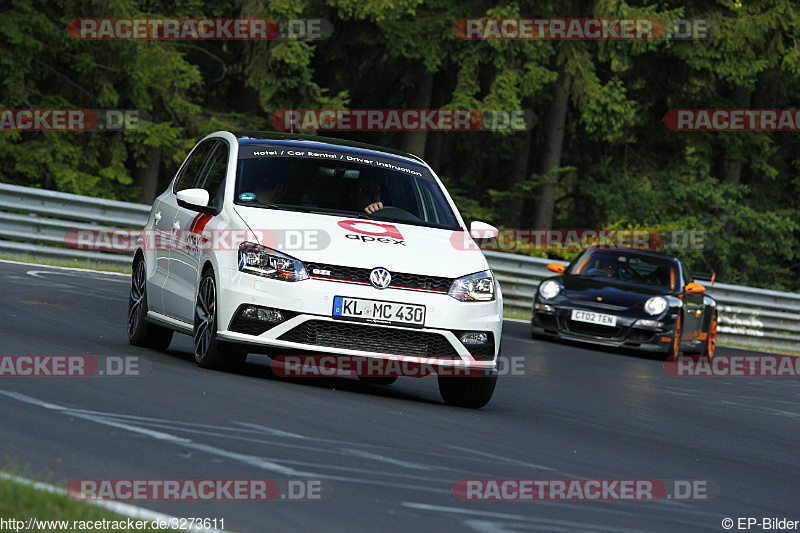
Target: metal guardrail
x=35 y=222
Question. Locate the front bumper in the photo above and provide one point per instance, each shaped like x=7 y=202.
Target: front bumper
x=556 y=321
x=307 y=307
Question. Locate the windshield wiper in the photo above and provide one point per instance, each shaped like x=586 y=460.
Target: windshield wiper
x=281 y=207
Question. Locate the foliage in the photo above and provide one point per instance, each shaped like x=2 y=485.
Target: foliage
x=620 y=167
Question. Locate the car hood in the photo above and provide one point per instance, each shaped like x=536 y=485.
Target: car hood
x=348 y=241
x=606 y=293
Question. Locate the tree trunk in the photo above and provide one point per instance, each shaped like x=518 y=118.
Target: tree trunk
x=414 y=141
x=146 y=177
x=518 y=174
x=732 y=169
x=554 y=125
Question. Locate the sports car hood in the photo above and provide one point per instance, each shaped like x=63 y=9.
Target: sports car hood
x=346 y=241
x=583 y=289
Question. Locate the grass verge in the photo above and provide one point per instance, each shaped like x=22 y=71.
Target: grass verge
x=87 y=264
x=39 y=507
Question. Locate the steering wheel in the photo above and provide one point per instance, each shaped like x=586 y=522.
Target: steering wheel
x=397 y=213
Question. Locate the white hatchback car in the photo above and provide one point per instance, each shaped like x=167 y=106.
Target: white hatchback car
x=283 y=244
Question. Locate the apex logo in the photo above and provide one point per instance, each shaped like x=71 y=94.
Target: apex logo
x=373 y=232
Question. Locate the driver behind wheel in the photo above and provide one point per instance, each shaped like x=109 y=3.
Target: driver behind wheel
x=603 y=268
x=366 y=195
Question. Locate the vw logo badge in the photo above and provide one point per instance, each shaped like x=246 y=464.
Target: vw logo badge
x=380 y=278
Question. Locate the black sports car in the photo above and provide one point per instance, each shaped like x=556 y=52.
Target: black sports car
x=626 y=298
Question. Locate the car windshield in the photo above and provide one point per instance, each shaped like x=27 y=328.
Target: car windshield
x=626 y=266
x=341 y=183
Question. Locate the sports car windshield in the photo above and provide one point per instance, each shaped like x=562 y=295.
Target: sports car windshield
x=626 y=266
x=338 y=183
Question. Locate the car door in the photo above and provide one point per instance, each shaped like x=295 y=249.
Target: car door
x=192 y=168
x=189 y=226
x=155 y=244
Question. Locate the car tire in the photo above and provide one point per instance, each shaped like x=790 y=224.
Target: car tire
x=711 y=340
x=473 y=392
x=710 y=346
x=675 y=345
x=378 y=380
x=210 y=352
x=141 y=332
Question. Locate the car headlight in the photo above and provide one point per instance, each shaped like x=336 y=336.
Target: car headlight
x=655 y=305
x=549 y=289
x=263 y=261
x=473 y=288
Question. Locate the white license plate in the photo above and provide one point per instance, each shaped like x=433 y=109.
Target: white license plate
x=379 y=312
x=593 y=318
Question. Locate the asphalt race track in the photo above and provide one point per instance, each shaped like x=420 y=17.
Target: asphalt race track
x=388 y=457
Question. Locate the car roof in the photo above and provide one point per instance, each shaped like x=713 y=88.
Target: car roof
x=632 y=251
x=316 y=142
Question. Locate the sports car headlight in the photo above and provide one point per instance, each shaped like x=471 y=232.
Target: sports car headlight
x=549 y=289
x=263 y=261
x=655 y=305
x=473 y=288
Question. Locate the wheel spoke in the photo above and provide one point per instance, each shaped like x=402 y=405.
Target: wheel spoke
x=204 y=318
x=133 y=316
x=137 y=295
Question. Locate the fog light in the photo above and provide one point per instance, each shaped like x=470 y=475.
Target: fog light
x=265 y=314
x=474 y=337
x=544 y=307
x=650 y=323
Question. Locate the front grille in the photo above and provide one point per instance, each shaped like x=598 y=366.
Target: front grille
x=370 y=338
x=596 y=330
x=640 y=335
x=484 y=352
x=547 y=322
x=399 y=279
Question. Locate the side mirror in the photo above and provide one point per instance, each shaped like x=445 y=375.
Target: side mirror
x=196 y=200
x=694 y=287
x=483 y=231
x=556 y=267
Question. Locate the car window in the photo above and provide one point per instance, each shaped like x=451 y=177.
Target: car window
x=192 y=168
x=213 y=174
x=627 y=267
x=342 y=184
